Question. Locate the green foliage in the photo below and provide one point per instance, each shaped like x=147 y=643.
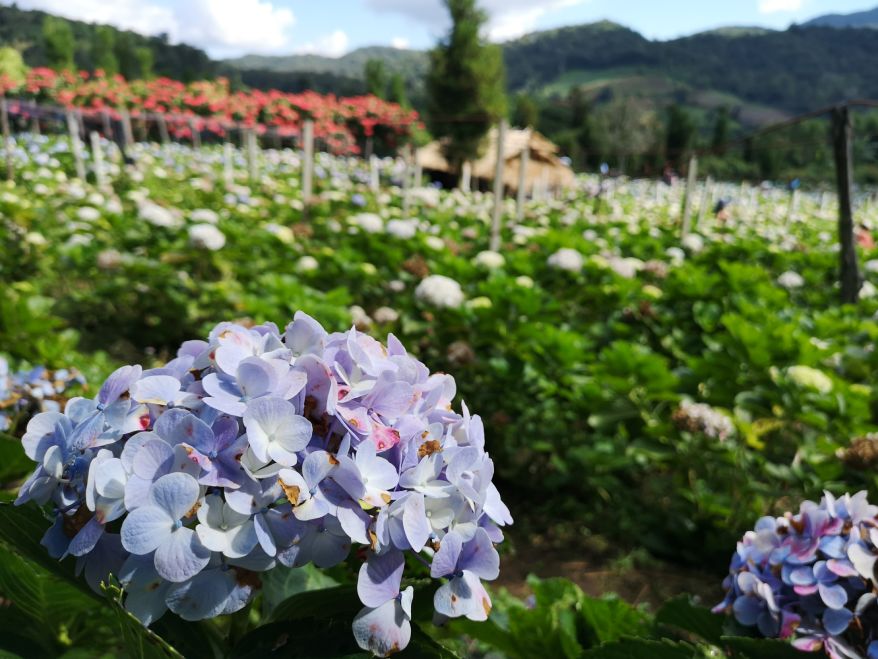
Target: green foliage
x=103 y=50
x=58 y=43
x=465 y=84
x=376 y=78
x=12 y=65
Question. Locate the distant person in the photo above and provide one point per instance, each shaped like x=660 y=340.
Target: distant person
x=721 y=210
x=864 y=237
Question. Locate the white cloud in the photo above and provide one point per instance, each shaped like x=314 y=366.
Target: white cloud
x=400 y=42
x=507 y=19
x=127 y=14
x=222 y=27
x=331 y=45
x=254 y=26
x=775 y=6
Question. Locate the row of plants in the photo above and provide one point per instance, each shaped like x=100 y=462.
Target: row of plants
x=658 y=391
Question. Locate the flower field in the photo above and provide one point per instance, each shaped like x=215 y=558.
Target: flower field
x=642 y=394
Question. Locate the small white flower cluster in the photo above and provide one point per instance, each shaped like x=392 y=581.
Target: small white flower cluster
x=703 y=418
x=440 y=291
x=566 y=259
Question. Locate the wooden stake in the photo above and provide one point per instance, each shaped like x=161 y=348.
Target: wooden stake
x=406 y=179
x=75 y=144
x=228 y=164
x=127 y=133
x=374 y=173
x=690 y=190
x=196 y=134
x=842 y=132
x=706 y=201
x=497 y=219
x=7 y=137
x=97 y=154
x=163 y=129
x=466 y=176
x=521 y=196
x=307 y=160
x=251 y=155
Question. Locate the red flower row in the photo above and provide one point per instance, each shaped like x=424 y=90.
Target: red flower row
x=211 y=106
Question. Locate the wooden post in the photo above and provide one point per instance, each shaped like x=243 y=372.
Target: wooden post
x=196 y=134
x=793 y=205
x=127 y=133
x=107 y=126
x=521 y=196
x=228 y=164
x=75 y=144
x=706 y=200
x=406 y=179
x=690 y=190
x=307 y=160
x=251 y=155
x=97 y=154
x=163 y=128
x=7 y=137
x=374 y=173
x=466 y=176
x=497 y=220
x=842 y=132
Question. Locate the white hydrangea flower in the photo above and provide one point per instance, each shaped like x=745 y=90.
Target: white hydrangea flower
x=385 y=315
x=206 y=236
x=158 y=216
x=810 y=378
x=307 y=264
x=566 y=259
x=88 y=214
x=676 y=255
x=693 y=242
x=490 y=260
x=204 y=215
x=791 y=280
x=440 y=291
x=368 y=222
x=403 y=229
x=435 y=242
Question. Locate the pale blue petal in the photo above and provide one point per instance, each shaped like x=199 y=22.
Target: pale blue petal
x=181 y=556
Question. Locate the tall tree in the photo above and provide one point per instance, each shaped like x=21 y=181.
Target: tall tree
x=465 y=84
x=398 y=93
x=526 y=112
x=721 y=130
x=58 y=43
x=376 y=78
x=680 y=133
x=145 y=60
x=103 y=43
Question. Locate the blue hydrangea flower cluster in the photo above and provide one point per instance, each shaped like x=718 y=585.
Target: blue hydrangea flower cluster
x=33 y=390
x=258 y=447
x=810 y=577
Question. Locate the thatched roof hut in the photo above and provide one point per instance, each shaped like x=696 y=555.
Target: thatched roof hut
x=545 y=170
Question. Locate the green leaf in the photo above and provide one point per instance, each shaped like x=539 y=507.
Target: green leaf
x=48 y=604
x=340 y=601
x=743 y=647
x=639 y=648
x=13 y=461
x=681 y=613
x=21 y=528
x=281 y=583
x=610 y=618
x=308 y=637
x=139 y=642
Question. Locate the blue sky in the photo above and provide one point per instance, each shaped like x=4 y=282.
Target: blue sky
x=227 y=28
